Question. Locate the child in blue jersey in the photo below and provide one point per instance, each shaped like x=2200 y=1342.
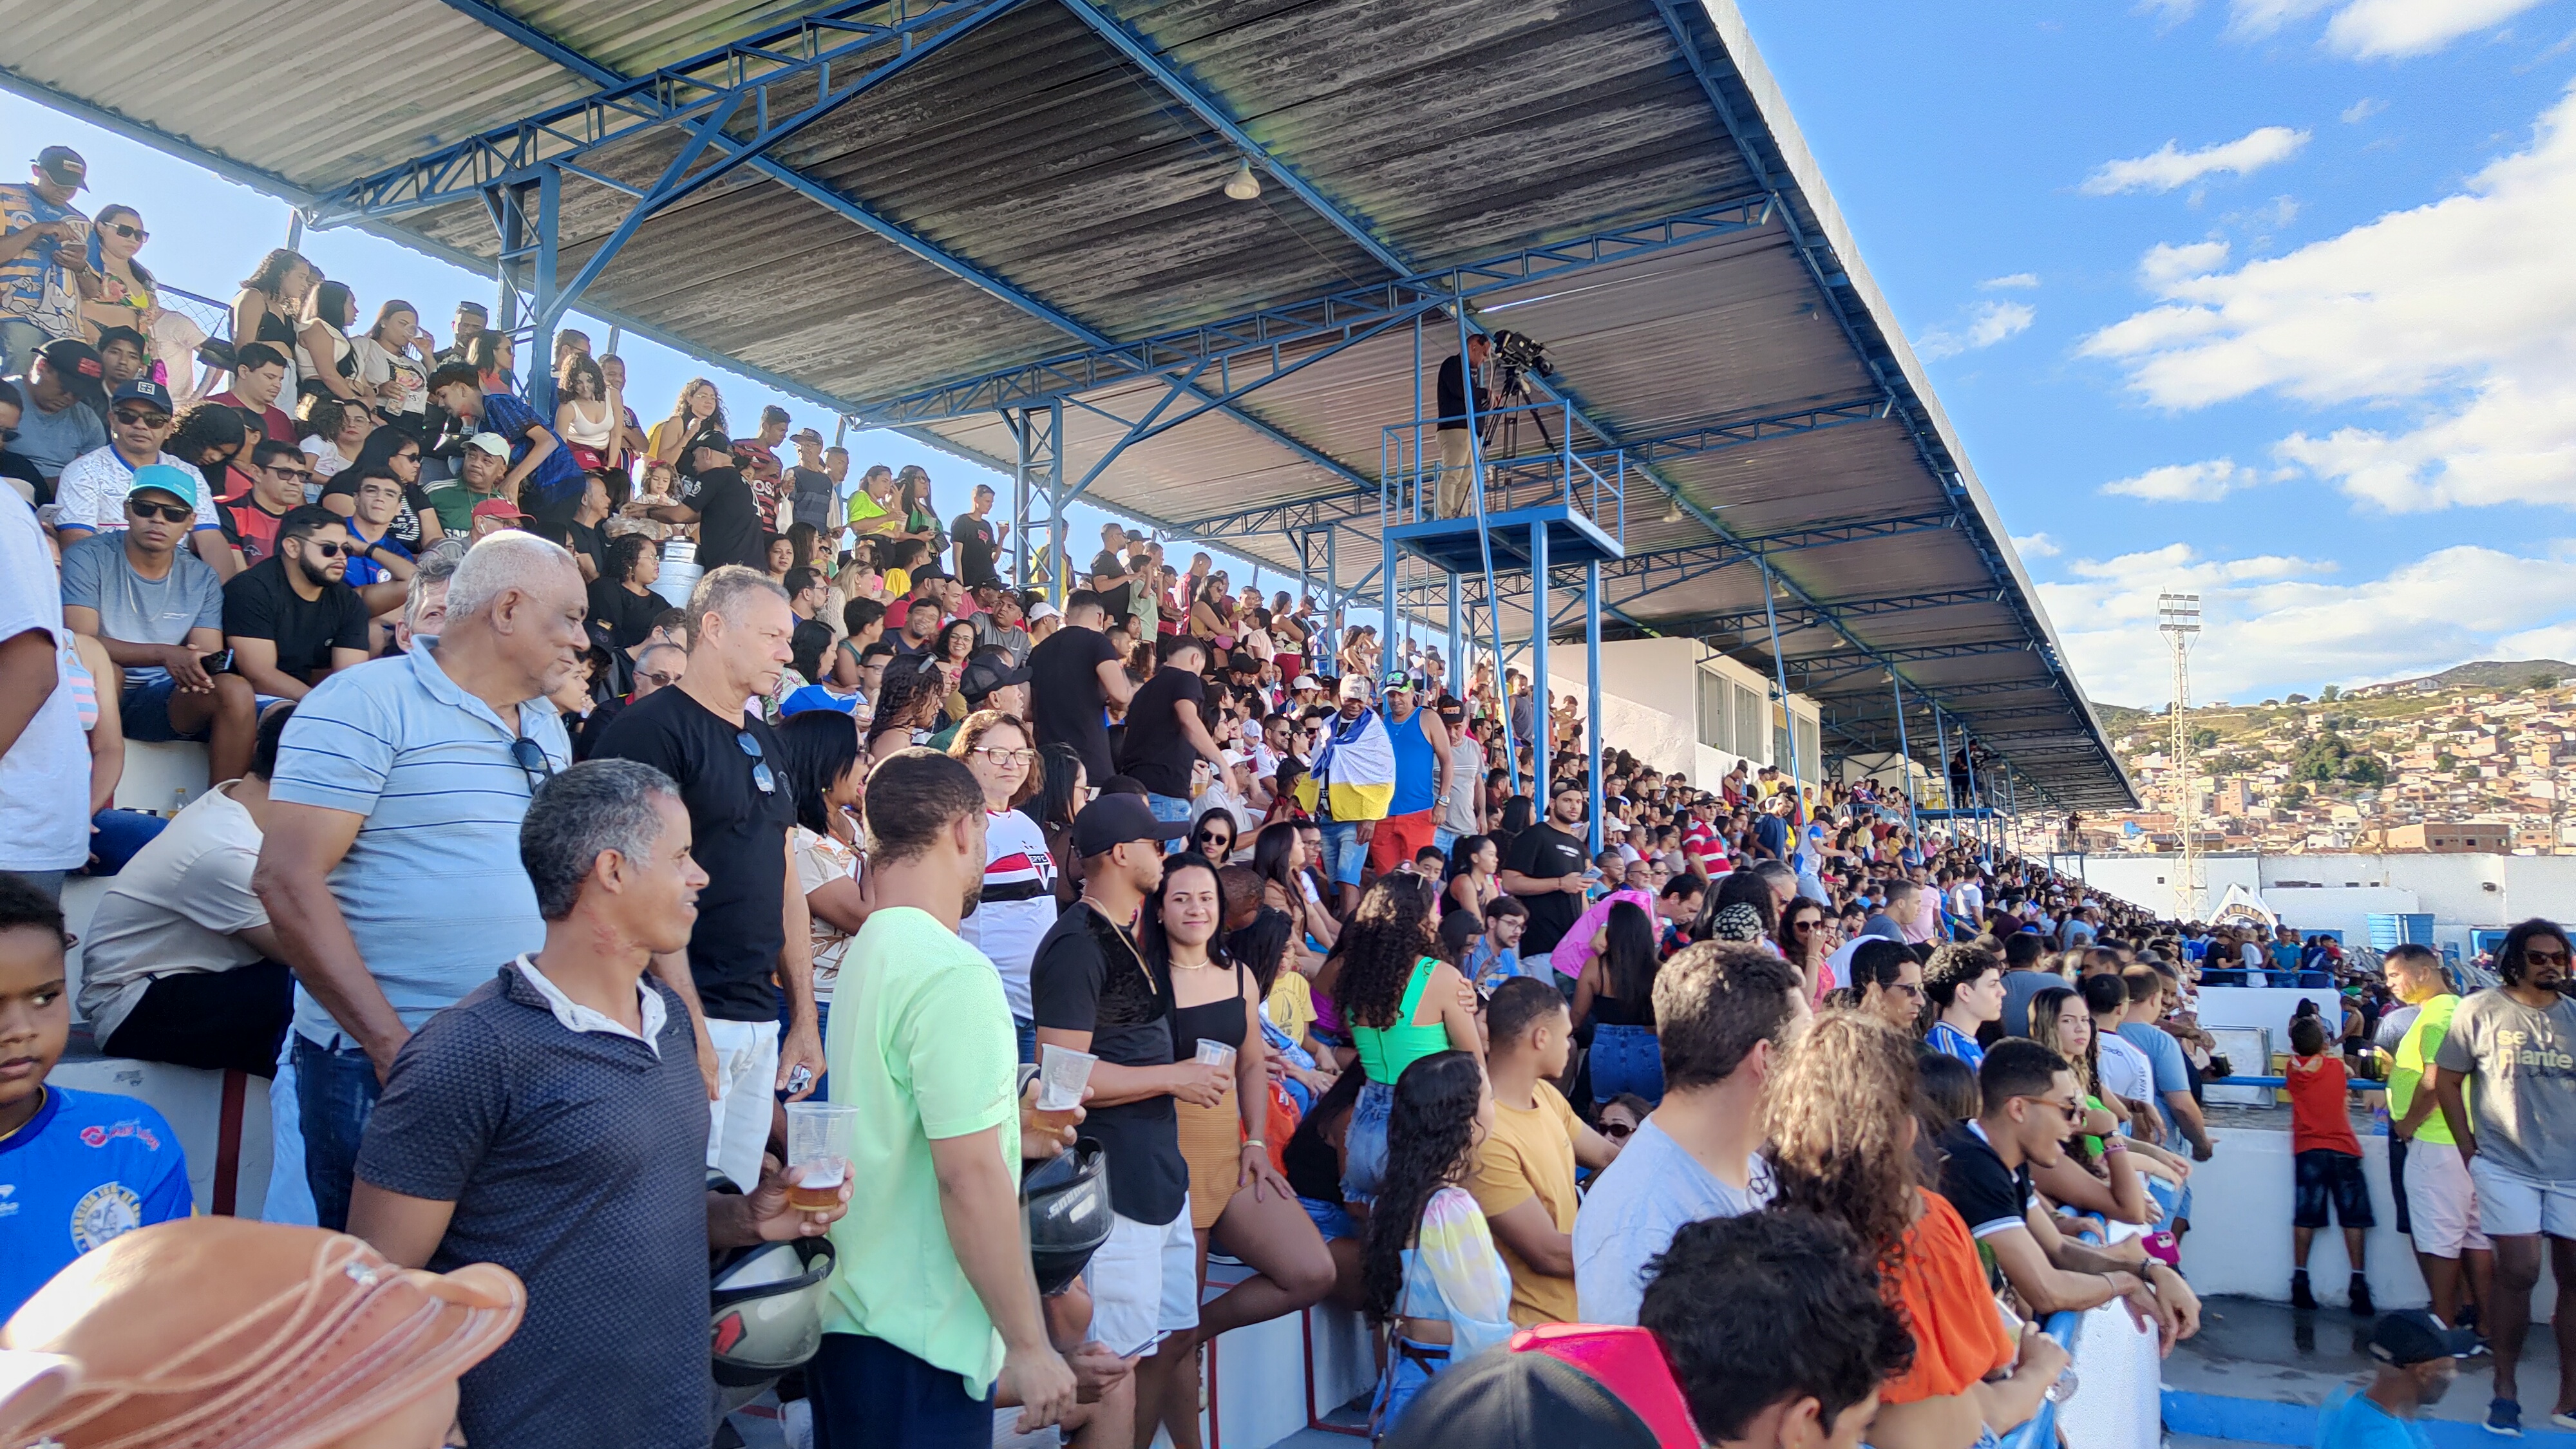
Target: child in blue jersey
x=76 y=1168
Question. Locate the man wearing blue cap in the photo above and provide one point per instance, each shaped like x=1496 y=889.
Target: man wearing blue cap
x=92 y=491
x=160 y=615
x=2418 y=1356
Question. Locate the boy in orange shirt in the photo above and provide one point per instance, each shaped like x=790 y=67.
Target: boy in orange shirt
x=2328 y=1163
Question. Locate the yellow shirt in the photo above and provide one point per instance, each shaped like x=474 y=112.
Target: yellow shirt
x=1292 y=1005
x=1531 y=1154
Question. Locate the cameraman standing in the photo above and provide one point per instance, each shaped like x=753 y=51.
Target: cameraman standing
x=1455 y=449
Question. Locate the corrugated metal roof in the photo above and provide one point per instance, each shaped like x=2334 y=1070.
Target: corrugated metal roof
x=1445 y=131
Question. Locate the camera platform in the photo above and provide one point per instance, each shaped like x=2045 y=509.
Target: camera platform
x=1457 y=545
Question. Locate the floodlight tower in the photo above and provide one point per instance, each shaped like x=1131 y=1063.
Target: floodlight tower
x=2178 y=619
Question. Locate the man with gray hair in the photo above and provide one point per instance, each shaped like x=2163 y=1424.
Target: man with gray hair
x=389 y=865
x=752 y=925
x=604 y=1213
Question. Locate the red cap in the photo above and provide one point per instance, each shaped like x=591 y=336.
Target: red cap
x=497 y=508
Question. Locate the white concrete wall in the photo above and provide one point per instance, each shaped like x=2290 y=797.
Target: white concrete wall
x=1650 y=706
x=2461 y=891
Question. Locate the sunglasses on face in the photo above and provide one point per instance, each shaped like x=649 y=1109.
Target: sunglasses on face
x=760 y=775
x=326 y=548
x=1616 y=1131
x=126 y=229
x=658 y=679
x=297 y=474
x=135 y=418
x=2544 y=958
x=166 y=512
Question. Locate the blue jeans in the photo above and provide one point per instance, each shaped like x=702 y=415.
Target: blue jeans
x=1410 y=1367
x=1364 y=1143
x=1441 y=840
x=1173 y=808
x=1627 y=1059
x=335 y=1093
x=1344 y=852
x=119 y=835
x=822 y=1033
x=19 y=340
x=1027 y=1031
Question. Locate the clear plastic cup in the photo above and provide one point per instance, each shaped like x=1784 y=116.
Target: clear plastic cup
x=1062 y=1074
x=819 y=1143
x=1216 y=1054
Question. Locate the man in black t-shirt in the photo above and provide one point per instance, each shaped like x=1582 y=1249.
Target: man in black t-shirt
x=2031 y=1107
x=1111 y=575
x=1455 y=453
x=1092 y=992
x=1167 y=729
x=290 y=619
x=1074 y=676
x=727 y=516
x=1545 y=869
x=751 y=915
x=978 y=541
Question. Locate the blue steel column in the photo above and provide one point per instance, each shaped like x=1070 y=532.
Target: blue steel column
x=1941 y=742
x=1056 y=577
x=1542 y=733
x=1457 y=660
x=1976 y=797
x=1019 y=427
x=538 y=367
x=1780 y=676
x=1592 y=684
x=1905 y=753
x=514 y=231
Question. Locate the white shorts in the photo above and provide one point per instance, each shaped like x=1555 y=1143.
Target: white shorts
x=2511 y=1205
x=2441 y=1201
x=746 y=1085
x=1144 y=1283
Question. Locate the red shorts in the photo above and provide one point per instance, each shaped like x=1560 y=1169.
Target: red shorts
x=1398 y=837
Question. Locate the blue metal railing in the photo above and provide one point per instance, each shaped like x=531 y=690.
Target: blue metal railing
x=2066 y=1327
x=1409 y=472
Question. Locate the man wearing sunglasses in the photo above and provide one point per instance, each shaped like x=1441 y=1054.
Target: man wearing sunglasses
x=753 y=941
x=93 y=487
x=2031 y=1107
x=293 y=620
x=278 y=473
x=2508 y=1093
x=160 y=615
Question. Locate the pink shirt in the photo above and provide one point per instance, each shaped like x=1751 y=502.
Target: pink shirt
x=1576 y=947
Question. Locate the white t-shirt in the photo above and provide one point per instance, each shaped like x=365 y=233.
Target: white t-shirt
x=1008 y=932
x=174 y=909
x=91 y=492
x=44 y=779
x=2125 y=1070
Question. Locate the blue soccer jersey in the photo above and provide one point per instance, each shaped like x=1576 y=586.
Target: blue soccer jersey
x=90 y=1166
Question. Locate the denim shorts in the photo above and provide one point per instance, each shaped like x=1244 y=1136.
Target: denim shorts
x=1330 y=1218
x=1169 y=807
x=144 y=711
x=1344 y=852
x=1364 y=1143
x=1627 y=1059
x=2325 y=1178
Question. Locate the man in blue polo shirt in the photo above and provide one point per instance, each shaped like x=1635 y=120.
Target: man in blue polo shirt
x=390 y=863
x=76 y=1168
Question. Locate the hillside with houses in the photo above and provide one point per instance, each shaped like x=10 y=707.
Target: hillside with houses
x=2477 y=758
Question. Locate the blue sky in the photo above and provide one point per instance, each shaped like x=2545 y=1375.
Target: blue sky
x=2268 y=298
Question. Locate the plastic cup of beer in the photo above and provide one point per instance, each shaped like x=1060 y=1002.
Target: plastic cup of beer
x=818 y=1153
x=1216 y=1054
x=1062 y=1074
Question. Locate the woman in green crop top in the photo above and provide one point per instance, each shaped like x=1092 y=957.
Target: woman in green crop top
x=1401 y=1003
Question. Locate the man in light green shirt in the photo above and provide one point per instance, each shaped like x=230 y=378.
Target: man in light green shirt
x=2441 y=1202
x=933 y=1306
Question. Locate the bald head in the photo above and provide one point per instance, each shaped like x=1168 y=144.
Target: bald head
x=505 y=563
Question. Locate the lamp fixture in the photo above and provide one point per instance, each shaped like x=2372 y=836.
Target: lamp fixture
x=1243 y=185
x=1673 y=509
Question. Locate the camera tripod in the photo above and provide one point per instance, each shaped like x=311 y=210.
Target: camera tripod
x=1511 y=391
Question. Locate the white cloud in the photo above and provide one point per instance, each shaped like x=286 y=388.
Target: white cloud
x=2185 y=482
x=2379 y=29
x=2168 y=13
x=1986 y=324
x=2016 y=280
x=2035 y=545
x=2172 y=167
x=2362 y=110
x=2277 y=623
x=2448 y=323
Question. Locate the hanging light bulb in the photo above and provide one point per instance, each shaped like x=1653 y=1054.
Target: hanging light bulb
x=1243 y=185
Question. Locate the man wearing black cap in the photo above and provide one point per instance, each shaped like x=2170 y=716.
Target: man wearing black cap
x=728 y=517
x=92 y=489
x=62 y=407
x=1091 y=991
x=811 y=484
x=44 y=256
x=2418 y=1358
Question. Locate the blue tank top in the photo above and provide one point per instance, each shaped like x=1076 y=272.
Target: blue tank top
x=1417 y=773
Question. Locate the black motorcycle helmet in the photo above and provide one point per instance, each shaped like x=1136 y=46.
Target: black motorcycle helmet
x=766 y=1311
x=1066 y=1202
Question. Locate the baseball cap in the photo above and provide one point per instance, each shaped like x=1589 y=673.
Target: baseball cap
x=1044 y=611
x=497 y=508
x=1354 y=686
x=1114 y=820
x=1241 y=661
x=64 y=166
x=1399 y=683
x=163 y=478
x=805 y=435
x=76 y=366
x=1557 y=1384
x=2410 y=1336
x=144 y=390
x=492 y=443
x=982 y=676
x=1306 y=681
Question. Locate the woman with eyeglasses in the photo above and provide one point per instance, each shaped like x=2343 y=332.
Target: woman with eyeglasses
x=1213 y=835
x=1018 y=903
x=1801 y=938
x=1840 y=1113
x=822 y=768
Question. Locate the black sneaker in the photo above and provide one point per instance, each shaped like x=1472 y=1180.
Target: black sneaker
x=2300 y=1297
x=2361 y=1304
